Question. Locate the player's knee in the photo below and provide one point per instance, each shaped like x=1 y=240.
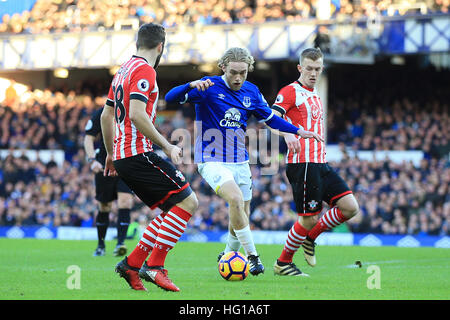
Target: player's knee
x=125 y=200
x=236 y=201
x=308 y=222
x=104 y=206
x=349 y=208
x=190 y=204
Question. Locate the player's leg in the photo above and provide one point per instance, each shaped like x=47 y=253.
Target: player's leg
x=300 y=176
x=159 y=184
x=216 y=175
x=171 y=229
x=145 y=245
x=345 y=209
x=124 y=203
x=102 y=223
x=284 y=265
x=238 y=194
x=233 y=243
x=104 y=194
x=343 y=206
x=308 y=245
x=255 y=265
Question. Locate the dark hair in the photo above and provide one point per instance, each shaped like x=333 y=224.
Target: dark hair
x=311 y=53
x=150 y=35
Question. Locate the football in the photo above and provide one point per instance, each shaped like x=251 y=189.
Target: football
x=233 y=266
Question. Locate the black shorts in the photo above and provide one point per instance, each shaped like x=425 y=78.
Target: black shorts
x=106 y=188
x=154 y=180
x=313 y=183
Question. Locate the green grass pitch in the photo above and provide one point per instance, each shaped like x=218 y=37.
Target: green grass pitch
x=40 y=270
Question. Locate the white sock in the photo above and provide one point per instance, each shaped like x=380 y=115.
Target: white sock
x=233 y=243
x=246 y=239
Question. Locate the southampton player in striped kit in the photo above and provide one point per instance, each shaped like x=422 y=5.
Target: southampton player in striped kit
x=128 y=119
x=310 y=176
x=223 y=105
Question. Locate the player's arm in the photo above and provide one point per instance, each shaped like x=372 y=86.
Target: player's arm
x=280 y=124
x=292 y=142
x=142 y=122
x=277 y=132
x=179 y=94
x=107 y=124
x=89 y=149
x=268 y=116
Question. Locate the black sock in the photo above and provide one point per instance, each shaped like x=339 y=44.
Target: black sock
x=102 y=223
x=123 y=221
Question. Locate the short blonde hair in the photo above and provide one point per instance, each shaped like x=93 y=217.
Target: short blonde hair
x=237 y=54
x=311 y=53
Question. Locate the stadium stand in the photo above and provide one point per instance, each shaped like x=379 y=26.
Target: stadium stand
x=395 y=198
x=363 y=114
x=83 y=15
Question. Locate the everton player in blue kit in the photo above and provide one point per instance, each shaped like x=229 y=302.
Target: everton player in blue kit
x=223 y=105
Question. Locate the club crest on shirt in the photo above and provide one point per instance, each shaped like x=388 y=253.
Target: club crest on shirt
x=316 y=112
x=180 y=175
x=247 y=102
x=313 y=204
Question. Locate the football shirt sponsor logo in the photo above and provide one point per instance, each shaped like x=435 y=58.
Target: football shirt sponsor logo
x=231 y=118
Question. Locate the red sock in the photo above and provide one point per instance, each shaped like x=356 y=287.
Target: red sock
x=145 y=245
x=171 y=229
x=330 y=219
x=294 y=240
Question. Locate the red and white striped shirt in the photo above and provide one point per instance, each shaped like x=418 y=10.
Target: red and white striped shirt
x=136 y=79
x=302 y=107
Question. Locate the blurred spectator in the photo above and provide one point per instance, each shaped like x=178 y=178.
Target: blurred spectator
x=322 y=40
x=10 y=94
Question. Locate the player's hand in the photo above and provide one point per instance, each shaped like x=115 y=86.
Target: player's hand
x=174 y=153
x=96 y=166
x=309 y=135
x=201 y=85
x=109 y=167
x=292 y=143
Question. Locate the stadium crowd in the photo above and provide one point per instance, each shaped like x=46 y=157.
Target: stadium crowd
x=84 y=15
x=393 y=116
x=394 y=198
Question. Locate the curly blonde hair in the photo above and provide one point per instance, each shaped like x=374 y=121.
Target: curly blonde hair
x=237 y=54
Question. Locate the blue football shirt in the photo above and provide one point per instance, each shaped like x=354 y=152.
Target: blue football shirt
x=221 y=119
